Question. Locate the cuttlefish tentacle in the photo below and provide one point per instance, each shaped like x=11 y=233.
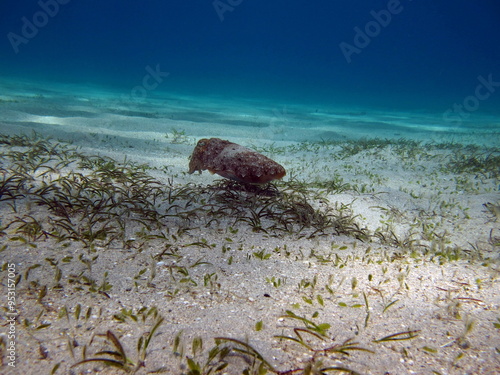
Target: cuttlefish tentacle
x=230 y=160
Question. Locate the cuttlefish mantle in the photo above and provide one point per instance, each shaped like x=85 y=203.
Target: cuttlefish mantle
x=230 y=160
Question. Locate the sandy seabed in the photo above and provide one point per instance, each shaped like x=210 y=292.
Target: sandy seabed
x=377 y=254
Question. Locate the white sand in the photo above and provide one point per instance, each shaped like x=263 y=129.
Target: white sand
x=325 y=279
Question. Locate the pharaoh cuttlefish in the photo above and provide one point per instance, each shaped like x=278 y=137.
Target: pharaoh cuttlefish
x=233 y=161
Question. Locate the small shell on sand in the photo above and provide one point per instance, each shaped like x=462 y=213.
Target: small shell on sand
x=233 y=161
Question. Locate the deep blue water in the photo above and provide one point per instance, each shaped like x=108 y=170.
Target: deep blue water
x=413 y=54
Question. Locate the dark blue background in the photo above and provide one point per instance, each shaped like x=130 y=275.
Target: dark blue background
x=429 y=55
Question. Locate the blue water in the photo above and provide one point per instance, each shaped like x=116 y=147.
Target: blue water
x=419 y=55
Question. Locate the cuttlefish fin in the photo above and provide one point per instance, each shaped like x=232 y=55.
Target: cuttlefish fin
x=227 y=174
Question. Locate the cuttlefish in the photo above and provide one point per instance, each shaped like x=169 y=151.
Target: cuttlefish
x=233 y=161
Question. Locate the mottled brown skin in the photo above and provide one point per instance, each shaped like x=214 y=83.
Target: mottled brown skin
x=233 y=161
